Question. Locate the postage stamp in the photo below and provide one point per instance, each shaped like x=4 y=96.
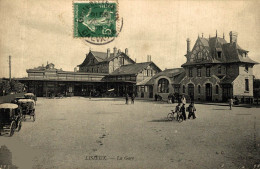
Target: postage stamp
x=96 y=21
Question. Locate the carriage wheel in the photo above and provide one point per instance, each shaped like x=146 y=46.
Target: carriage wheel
x=19 y=126
x=170 y=117
x=12 y=129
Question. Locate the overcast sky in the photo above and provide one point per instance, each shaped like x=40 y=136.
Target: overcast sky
x=36 y=31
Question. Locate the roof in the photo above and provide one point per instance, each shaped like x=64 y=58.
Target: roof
x=102 y=57
x=179 y=78
x=144 y=82
x=133 y=68
x=8 y=106
x=25 y=100
x=228 y=79
x=231 y=52
x=171 y=73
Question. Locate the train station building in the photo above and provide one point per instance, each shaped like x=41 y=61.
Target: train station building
x=100 y=74
x=215 y=70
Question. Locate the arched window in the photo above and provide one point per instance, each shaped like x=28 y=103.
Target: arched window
x=199 y=89
x=183 y=89
x=217 y=89
x=163 y=86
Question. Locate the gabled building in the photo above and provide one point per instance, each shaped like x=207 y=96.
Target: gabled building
x=101 y=62
x=99 y=73
x=217 y=70
x=161 y=84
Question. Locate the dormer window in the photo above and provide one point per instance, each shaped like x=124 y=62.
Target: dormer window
x=246 y=68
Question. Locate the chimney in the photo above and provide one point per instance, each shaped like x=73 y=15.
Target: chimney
x=126 y=51
x=115 y=51
x=148 y=58
x=108 y=52
x=188 y=45
x=47 y=62
x=233 y=36
x=119 y=51
x=75 y=69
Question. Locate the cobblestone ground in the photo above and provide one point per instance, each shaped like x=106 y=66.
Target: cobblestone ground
x=68 y=131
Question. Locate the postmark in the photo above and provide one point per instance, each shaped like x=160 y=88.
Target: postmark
x=97 y=22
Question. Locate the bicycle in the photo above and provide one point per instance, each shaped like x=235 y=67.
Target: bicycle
x=175 y=115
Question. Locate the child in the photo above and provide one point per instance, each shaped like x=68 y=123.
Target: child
x=183 y=111
x=178 y=108
x=192 y=110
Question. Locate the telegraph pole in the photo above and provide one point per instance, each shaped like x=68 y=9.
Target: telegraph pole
x=10 y=71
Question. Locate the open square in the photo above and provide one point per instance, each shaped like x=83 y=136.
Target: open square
x=69 y=132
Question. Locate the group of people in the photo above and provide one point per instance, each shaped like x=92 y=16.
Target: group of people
x=132 y=98
x=181 y=108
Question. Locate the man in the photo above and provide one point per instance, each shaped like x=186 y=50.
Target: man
x=133 y=98
x=126 y=98
x=183 y=99
x=230 y=103
x=183 y=111
x=192 y=110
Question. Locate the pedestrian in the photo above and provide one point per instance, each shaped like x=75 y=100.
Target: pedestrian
x=126 y=98
x=183 y=111
x=90 y=94
x=133 y=98
x=173 y=98
x=230 y=103
x=192 y=110
x=169 y=99
x=183 y=99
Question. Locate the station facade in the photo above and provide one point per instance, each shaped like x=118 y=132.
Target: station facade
x=215 y=70
x=100 y=74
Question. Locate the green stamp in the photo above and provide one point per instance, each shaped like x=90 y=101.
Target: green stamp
x=94 y=19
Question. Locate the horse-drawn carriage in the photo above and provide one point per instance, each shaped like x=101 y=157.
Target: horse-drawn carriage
x=26 y=107
x=30 y=96
x=10 y=118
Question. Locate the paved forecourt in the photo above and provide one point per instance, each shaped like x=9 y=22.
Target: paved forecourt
x=70 y=132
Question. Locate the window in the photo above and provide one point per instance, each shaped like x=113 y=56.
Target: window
x=163 y=86
x=219 y=69
x=219 y=54
x=142 y=88
x=97 y=69
x=217 y=89
x=190 y=72
x=208 y=71
x=92 y=70
x=246 y=85
x=246 y=68
x=199 y=89
x=183 y=89
x=147 y=72
x=151 y=72
x=199 y=72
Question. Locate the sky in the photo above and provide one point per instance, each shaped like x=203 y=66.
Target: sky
x=34 y=32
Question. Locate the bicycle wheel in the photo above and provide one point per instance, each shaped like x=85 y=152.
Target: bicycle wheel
x=170 y=117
